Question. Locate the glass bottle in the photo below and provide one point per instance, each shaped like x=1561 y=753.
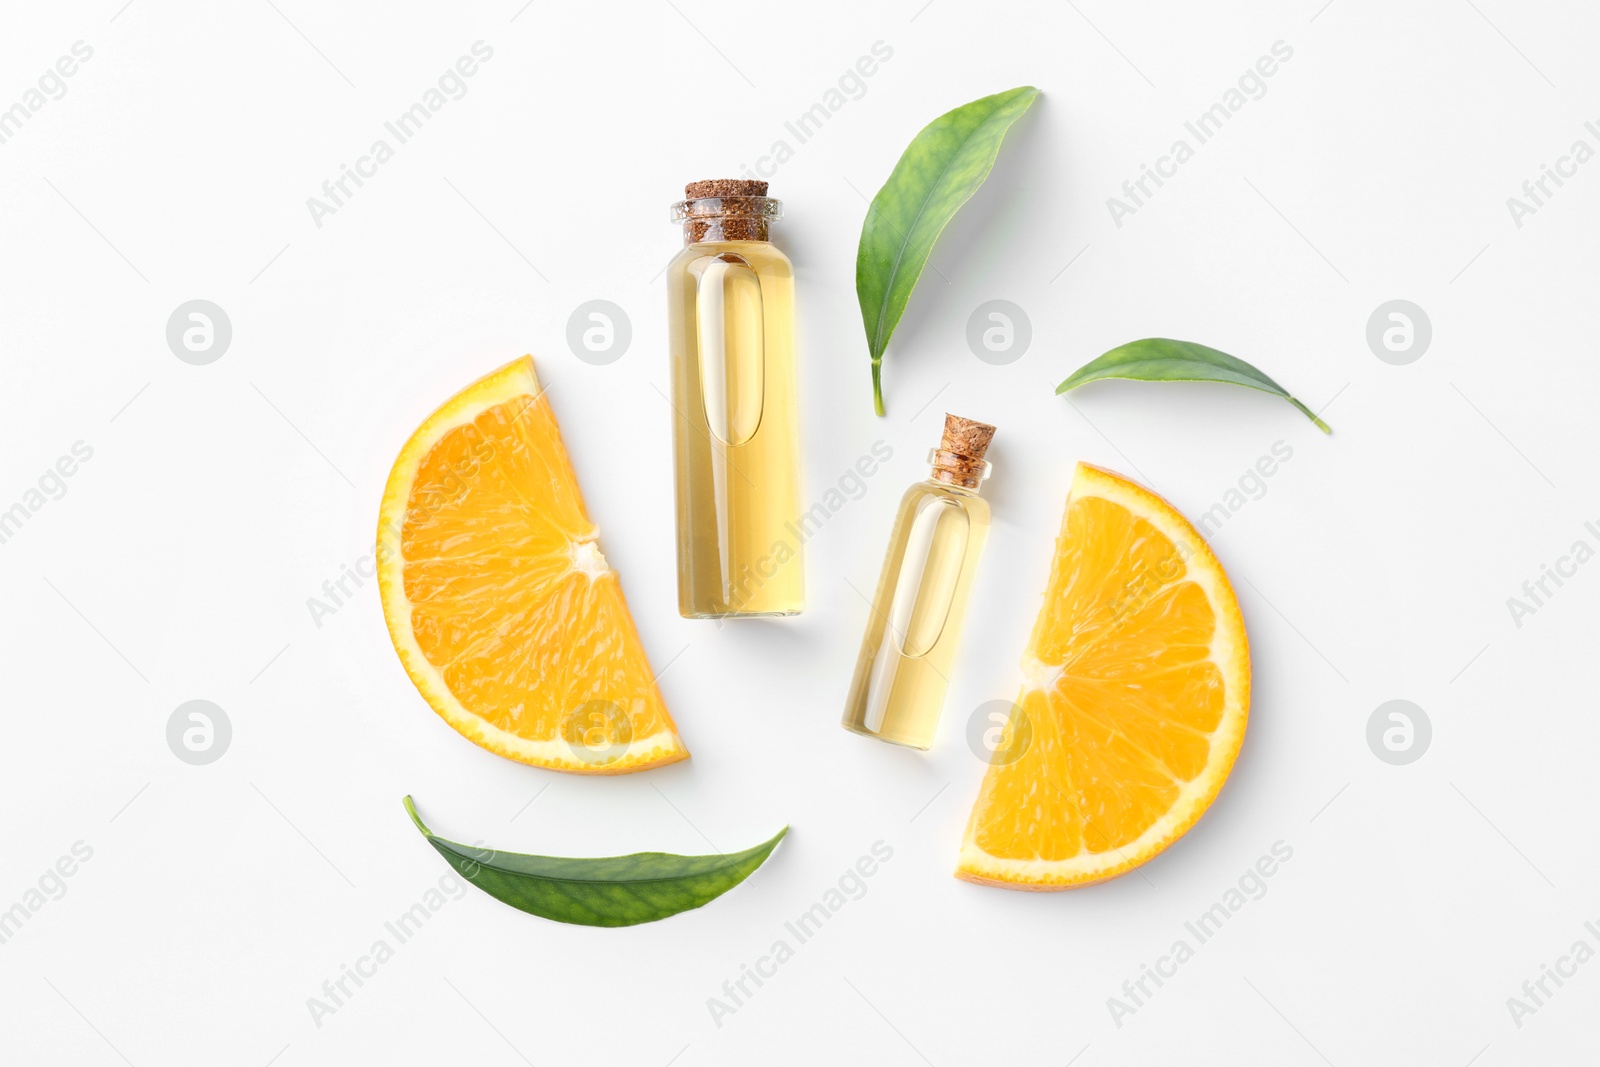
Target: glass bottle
x=915 y=625
x=730 y=311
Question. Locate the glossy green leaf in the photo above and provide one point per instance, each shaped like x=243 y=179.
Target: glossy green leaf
x=938 y=173
x=610 y=891
x=1157 y=359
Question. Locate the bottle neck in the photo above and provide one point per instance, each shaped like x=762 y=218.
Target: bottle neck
x=953 y=470
x=724 y=228
x=727 y=218
x=940 y=480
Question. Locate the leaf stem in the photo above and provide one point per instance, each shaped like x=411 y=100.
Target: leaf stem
x=411 y=810
x=1324 y=427
x=877 y=386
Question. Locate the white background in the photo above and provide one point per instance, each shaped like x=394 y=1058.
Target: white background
x=219 y=498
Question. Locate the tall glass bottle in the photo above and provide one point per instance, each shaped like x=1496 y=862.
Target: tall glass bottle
x=730 y=311
x=915 y=625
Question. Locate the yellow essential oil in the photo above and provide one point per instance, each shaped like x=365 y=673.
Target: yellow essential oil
x=915 y=625
x=735 y=438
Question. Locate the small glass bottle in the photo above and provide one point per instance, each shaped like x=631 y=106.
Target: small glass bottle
x=730 y=310
x=915 y=625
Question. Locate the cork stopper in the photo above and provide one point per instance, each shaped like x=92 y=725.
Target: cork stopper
x=720 y=187
x=959 y=458
x=726 y=209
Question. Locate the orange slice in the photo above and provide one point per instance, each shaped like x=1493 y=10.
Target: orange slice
x=1134 y=706
x=504 y=612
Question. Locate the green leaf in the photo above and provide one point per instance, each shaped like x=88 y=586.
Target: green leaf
x=938 y=173
x=611 y=891
x=1157 y=359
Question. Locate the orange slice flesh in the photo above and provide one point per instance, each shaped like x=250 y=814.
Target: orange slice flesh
x=500 y=604
x=1134 y=706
